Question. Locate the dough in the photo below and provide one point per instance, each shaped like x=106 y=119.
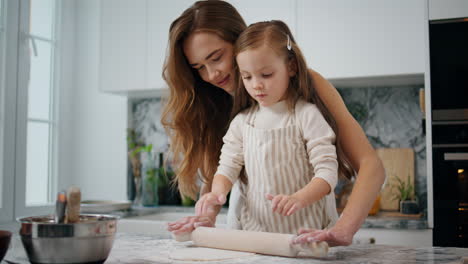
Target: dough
x=206 y=254
x=182 y=237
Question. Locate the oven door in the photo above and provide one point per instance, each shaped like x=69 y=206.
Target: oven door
x=450 y=181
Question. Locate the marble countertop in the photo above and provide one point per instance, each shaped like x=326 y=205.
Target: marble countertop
x=140 y=249
x=371 y=222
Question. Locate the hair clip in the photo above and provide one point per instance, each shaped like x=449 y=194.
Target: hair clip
x=289 y=43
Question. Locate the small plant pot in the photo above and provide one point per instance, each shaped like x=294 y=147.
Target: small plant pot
x=409 y=207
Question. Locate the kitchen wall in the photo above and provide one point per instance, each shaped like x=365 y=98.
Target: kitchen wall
x=390 y=117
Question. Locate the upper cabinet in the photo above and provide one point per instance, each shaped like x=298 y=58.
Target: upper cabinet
x=446 y=9
x=264 y=10
x=362 y=38
x=123 y=45
x=134 y=36
x=341 y=39
x=160 y=15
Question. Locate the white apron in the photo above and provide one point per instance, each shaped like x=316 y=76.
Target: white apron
x=276 y=162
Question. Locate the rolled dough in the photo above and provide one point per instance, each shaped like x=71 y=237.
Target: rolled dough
x=206 y=254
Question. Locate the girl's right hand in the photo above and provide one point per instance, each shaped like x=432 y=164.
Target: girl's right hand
x=209 y=204
x=206 y=210
x=189 y=223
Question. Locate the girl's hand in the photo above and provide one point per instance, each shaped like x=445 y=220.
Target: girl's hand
x=334 y=237
x=189 y=223
x=209 y=204
x=285 y=205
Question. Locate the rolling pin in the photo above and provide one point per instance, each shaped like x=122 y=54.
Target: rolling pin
x=249 y=241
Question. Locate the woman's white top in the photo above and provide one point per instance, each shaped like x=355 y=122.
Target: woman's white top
x=282 y=151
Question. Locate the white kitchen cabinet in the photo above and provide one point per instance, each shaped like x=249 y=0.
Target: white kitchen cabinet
x=340 y=39
x=446 y=9
x=264 y=10
x=133 y=41
x=161 y=14
x=134 y=36
x=362 y=38
x=123 y=45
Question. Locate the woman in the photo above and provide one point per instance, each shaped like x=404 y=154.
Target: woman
x=199 y=71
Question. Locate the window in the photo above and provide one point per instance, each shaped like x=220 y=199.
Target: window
x=41 y=121
x=28 y=114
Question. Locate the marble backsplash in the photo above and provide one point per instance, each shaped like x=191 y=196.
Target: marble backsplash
x=390 y=117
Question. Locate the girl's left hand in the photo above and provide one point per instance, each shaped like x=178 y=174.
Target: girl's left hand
x=285 y=205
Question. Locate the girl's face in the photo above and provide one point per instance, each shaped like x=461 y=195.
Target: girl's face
x=265 y=74
x=211 y=56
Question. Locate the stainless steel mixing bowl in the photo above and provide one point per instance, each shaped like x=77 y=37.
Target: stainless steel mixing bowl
x=87 y=241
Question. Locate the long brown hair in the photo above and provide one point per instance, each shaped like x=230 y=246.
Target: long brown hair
x=275 y=35
x=196 y=115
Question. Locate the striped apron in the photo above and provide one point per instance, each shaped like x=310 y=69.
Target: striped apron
x=276 y=162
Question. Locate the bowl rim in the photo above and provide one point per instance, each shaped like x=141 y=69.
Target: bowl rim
x=28 y=219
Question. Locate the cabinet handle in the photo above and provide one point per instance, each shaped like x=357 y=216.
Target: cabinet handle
x=455 y=156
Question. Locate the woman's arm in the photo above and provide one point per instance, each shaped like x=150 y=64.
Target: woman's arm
x=363 y=158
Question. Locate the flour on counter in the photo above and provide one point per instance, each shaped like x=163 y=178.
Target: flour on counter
x=206 y=254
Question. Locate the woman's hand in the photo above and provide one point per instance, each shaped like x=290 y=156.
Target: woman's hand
x=285 y=205
x=334 y=236
x=189 y=223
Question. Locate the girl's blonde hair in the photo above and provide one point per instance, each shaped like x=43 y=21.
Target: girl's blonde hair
x=276 y=35
x=196 y=115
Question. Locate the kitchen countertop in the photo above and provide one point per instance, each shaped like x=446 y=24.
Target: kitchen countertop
x=371 y=221
x=152 y=213
x=133 y=248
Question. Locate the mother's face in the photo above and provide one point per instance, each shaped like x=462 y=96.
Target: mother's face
x=212 y=57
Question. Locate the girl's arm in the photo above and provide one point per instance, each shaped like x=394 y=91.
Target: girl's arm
x=319 y=140
x=287 y=205
x=313 y=191
x=208 y=204
x=363 y=158
x=206 y=212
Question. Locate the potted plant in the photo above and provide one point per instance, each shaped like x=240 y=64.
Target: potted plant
x=406 y=195
x=134 y=146
x=168 y=193
x=150 y=176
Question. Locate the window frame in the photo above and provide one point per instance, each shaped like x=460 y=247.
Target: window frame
x=16 y=112
x=11 y=11
x=21 y=208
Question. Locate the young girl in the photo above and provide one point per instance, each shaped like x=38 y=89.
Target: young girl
x=282 y=134
x=197 y=117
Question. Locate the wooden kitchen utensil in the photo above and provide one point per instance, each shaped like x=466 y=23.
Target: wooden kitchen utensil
x=398 y=162
x=73 y=204
x=250 y=241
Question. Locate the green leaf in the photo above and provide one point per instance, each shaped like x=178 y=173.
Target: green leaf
x=405 y=190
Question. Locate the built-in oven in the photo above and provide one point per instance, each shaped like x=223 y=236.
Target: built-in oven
x=449 y=107
x=449 y=68
x=450 y=183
